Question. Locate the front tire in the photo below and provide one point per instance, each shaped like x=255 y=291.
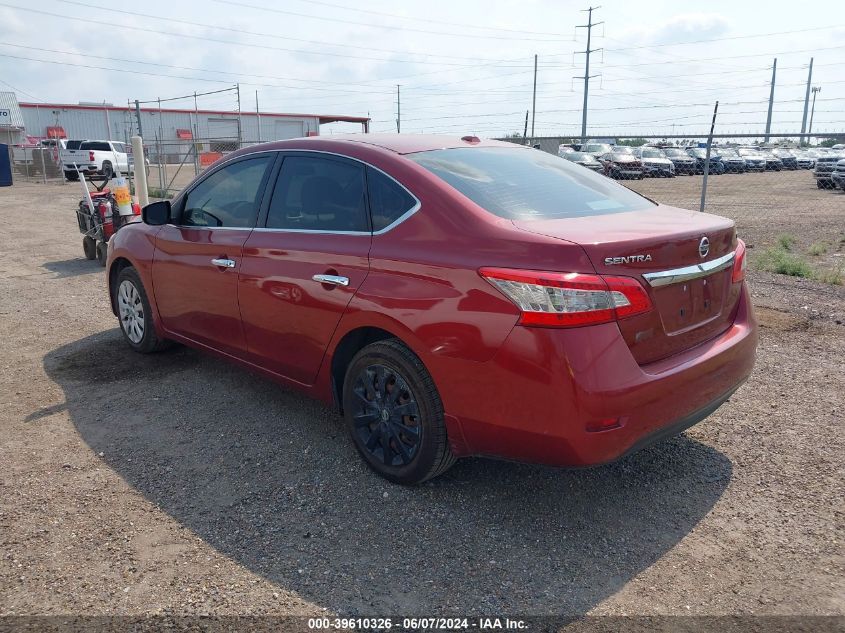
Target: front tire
x=394 y=414
x=135 y=314
x=102 y=253
x=89 y=247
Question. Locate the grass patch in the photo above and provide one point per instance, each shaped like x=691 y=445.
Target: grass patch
x=778 y=260
x=160 y=194
x=819 y=248
x=786 y=241
x=834 y=277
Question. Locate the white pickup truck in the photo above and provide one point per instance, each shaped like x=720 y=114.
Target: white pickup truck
x=103 y=158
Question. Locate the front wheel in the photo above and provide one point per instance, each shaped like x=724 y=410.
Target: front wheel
x=89 y=247
x=394 y=414
x=135 y=313
x=102 y=253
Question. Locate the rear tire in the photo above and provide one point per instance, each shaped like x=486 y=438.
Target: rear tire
x=108 y=170
x=71 y=176
x=135 y=313
x=394 y=414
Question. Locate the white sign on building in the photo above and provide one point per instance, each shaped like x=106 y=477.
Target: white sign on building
x=5 y=118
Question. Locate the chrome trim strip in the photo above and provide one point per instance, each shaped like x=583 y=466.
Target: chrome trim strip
x=389 y=227
x=677 y=275
x=264 y=229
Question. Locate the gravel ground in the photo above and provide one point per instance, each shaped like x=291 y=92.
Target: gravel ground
x=177 y=484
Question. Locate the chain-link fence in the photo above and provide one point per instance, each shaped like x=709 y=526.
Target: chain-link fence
x=36 y=164
x=785 y=195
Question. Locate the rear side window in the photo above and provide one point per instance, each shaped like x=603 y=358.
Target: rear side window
x=74 y=144
x=229 y=197
x=313 y=193
x=524 y=184
x=388 y=200
x=96 y=146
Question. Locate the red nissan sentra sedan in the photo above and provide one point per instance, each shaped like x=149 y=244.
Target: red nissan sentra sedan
x=452 y=297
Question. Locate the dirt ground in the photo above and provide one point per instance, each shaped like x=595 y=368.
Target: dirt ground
x=178 y=484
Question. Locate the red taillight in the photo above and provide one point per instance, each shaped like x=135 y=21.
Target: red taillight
x=91 y=156
x=739 y=263
x=568 y=299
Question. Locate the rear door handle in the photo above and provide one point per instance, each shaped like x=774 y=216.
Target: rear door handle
x=334 y=280
x=223 y=262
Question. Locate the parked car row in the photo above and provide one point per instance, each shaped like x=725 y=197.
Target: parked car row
x=623 y=162
x=829 y=170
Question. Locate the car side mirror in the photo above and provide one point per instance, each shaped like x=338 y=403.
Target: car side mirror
x=156 y=213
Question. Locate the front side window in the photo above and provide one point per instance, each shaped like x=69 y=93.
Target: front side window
x=388 y=200
x=314 y=193
x=519 y=184
x=229 y=197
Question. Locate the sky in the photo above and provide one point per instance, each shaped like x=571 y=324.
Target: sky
x=462 y=66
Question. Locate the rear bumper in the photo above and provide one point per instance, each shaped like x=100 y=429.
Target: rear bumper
x=534 y=400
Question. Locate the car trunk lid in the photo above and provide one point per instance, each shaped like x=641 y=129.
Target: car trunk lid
x=692 y=295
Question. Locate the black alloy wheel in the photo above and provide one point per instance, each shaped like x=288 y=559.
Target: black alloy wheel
x=388 y=419
x=394 y=414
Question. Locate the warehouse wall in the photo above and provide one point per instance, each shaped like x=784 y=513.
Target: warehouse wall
x=118 y=125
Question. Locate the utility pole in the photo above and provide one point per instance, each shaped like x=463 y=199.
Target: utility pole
x=525 y=131
x=257 y=116
x=195 y=136
x=806 y=102
x=534 y=98
x=816 y=89
x=771 y=100
x=589 y=26
x=240 y=128
x=398 y=111
x=138 y=117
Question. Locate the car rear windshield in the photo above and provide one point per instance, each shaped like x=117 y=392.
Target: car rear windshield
x=526 y=184
x=653 y=153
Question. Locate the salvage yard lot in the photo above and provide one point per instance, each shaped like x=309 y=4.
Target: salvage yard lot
x=175 y=483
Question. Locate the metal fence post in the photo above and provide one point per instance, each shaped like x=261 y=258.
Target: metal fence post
x=707 y=159
x=43 y=166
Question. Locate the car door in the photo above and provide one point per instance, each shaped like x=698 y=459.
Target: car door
x=304 y=262
x=198 y=257
x=121 y=160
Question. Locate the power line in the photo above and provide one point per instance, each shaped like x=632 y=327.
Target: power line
x=430 y=21
x=724 y=39
x=23 y=92
x=260 y=34
x=193 y=68
x=379 y=26
x=207 y=39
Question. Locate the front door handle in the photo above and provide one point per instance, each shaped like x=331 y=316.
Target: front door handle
x=223 y=262
x=334 y=280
